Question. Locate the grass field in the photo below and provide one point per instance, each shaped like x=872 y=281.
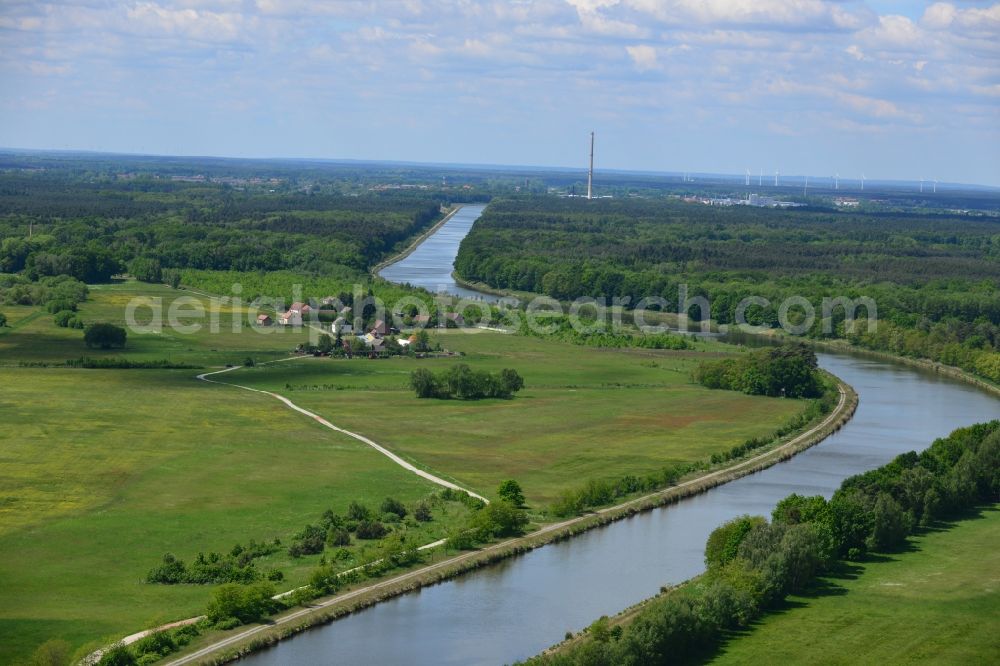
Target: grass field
x=937 y=603
x=32 y=336
x=584 y=413
x=104 y=471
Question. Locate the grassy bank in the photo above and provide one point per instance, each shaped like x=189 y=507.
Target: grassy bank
x=935 y=602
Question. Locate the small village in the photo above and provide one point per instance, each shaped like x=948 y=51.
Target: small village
x=375 y=339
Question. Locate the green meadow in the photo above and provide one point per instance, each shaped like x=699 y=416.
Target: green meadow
x=154 y=462
x=584 y=412
x=935 y=603
x=210 y=339
x=104 y=471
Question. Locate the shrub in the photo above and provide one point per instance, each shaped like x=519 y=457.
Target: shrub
x=62 y=318
x=422 y=512
x=358 y=511
x=104 y=336
x=724 y=541
x=170 y=572
x=324 y=580
x=390 y=505
x=246 y=603
x=338 y=537
x=309 y=541
x=117 y=655
x=60 y=305
x=370 y=529
x=159 y=643
x=498 y=519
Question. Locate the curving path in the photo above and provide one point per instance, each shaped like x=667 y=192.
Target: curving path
x=361 y=438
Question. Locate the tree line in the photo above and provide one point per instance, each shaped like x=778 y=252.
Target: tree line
x=463 y=383
x=753 y=564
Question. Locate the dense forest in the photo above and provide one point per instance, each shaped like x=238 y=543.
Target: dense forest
x=934 y=277
x=58 y=225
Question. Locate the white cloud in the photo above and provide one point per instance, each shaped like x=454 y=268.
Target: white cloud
x=893 y=33
x=643 y=56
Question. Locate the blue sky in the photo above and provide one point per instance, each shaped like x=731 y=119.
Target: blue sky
x=894 y=89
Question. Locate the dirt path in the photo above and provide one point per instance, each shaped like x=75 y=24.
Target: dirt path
x=450 y=562
x=361 y=438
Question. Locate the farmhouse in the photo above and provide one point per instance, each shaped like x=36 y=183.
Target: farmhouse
x=340 y=326
x=300 y=308
x=290 y=318
x=264 y=320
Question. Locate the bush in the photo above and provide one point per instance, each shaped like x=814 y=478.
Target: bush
x=498 y=519
x=370 y=529
x=324 y=580
x=246 y=603
x=60 y=305
x=724 y=541
x=309 y=541
x=390 y=505
x=422 y=512
x=159 y=643
x=358 y=511
x=67 y=319
x=117 y=655
x=104 y=336
x=170 y=572
x=338 y=537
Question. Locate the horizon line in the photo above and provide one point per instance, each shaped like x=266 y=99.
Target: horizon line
x=479 y=166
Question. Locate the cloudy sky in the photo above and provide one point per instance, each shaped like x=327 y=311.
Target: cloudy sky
x=893 y=88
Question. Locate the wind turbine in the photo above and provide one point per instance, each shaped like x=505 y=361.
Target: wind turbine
x=862 y=182
x=748 y=177
x=935 y=186
x=836 y=181
x=775 y=177
x=760 y=178
x=921 y=184
x=805 y=190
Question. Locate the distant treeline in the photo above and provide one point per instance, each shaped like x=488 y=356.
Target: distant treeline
x=753 y=564
x=934 y=278
x=51 y=225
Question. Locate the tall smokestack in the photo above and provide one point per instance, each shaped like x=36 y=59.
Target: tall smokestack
x=590 y=174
